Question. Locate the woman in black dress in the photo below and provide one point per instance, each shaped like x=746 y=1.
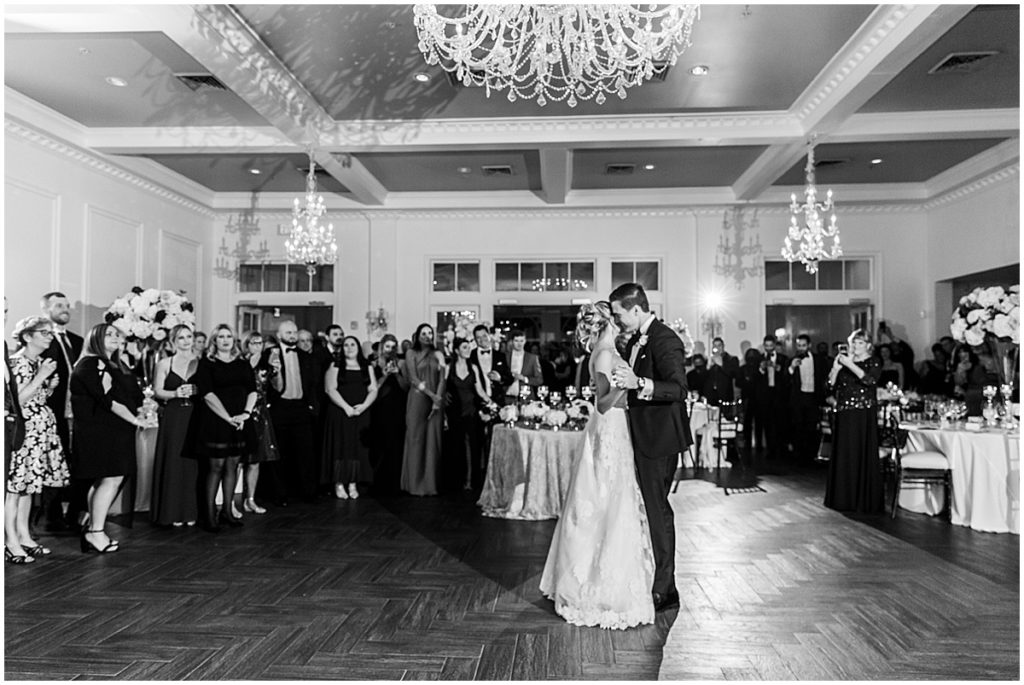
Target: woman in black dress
x=174 y=476
x=266 y=445
x=465 y=397
x=351 y=389
x=226 y=431
x=854 y=474
x=387 y=417
x=105 y=398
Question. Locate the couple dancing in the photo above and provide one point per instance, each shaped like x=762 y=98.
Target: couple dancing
x=611 y=561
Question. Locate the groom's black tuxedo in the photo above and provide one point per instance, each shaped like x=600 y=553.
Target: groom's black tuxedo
x=661 y=431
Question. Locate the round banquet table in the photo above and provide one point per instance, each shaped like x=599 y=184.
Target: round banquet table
x=528 y=472
x=985 y=468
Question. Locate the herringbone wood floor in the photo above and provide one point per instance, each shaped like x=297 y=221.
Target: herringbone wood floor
x=774 y=586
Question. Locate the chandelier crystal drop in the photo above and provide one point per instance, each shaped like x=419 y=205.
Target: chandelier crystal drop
x=555 y=53
x=311 y=243
x=813 y=234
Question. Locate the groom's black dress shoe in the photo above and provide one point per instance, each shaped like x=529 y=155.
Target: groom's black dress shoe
x=667 y=601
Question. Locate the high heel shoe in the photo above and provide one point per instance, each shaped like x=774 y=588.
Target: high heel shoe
x=88 y=547
x=235 y=522
x=37 y=551
x=12 y=558
x=352 y=492
x=339 y=491
x=234 y=511
x=251 y=506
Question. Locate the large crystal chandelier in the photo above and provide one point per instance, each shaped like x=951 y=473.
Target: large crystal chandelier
x=311 y=243
x=556 y=52
x=812 y=235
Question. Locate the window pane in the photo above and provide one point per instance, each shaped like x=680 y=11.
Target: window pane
x=249 y=277
x=323 y=279
x=273 y=278
x=506 y=276
x=622 y=272
x=858 y=274
x=647 y=275
x=556 y=275
x=531 y=276
x=830 y=275
x=298 y=279
x=801 y=279
x=444 y=277
x=582 y=275
x=776 y=275
x=468 y=276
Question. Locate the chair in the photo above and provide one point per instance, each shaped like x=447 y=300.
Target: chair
x=926 y=467
x=825 y=426
x=728 y=426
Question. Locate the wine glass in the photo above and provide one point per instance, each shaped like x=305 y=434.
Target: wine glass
x=524 y=391
x=570 y=393
x=587 y=392
x=542 y=392
x=556 y=397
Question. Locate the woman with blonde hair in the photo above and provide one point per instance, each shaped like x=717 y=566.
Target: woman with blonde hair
x=600 y=566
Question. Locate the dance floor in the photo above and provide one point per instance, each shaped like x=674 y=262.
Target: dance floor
x=774 y=586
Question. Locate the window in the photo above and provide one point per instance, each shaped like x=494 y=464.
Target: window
x=450 y=277
x=284 y=278
x=644 y=273
x=543 y=276
x=834 y=274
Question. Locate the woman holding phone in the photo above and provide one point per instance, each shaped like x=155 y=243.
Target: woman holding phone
x=854 y=474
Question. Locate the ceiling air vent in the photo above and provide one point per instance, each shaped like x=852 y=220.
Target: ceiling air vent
x=825 y=163
x=496 y=170
x=200 y=82
x=961 y=62
x=619 y=169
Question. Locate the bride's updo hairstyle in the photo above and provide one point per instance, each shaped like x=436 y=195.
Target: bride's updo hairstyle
x=591 y=321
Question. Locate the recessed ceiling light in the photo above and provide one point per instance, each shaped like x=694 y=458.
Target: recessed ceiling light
x=255 y=172
x=115 y=81
x=877 y=160
x=464 y=170
x=700 y=70
x=421 y=77
x=648 y=167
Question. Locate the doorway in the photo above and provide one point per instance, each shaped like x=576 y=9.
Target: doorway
x=824 y=323
x=545 y=325
x=267 y=319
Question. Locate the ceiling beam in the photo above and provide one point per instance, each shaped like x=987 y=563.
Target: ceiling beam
x=888 y=40
x=555 y=174
x=225 y=45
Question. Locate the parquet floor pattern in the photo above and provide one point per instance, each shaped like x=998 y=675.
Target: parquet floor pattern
x=773 y=586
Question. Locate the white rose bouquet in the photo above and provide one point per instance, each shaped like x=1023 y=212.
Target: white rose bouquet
x=555 y=418
x=533 y=410
x=508 y=413
x=149 y=315
x=987 y=310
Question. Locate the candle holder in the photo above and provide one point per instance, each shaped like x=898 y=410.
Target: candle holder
x=587 y=392
x=989 y=411
x=556 y=398
x=1006 y=391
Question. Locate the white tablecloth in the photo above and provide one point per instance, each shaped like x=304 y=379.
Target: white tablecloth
x=986 y=478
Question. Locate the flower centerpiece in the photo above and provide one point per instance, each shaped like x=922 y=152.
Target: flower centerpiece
x=508 y=414
x=533 y=412
x=146 y=318
x=994 y=314
x=578 y=413
x=555 y=418
x=377 y=322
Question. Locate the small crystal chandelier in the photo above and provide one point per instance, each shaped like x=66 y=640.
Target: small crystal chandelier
x=556 y=52
x=814 y=232
x=310 y=242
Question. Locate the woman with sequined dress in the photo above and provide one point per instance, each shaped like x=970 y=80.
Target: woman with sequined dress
x=854 y=474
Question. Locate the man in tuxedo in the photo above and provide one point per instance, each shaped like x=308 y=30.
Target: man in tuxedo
x=660 y=429
x=65 y=348
x=493 y=366
x=808 y=377
x=294 y=406
x=14 y=422
x=723 y=368
x=524 y=367
x=771 y=397
x=697 y=377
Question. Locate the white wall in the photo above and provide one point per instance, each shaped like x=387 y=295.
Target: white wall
x=70 y=226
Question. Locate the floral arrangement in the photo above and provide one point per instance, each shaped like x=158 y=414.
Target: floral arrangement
x=987 y=310
x=378 y=320
x=555 y=418
x=533 y=410
x=579 y=410
x=149 y=315
x=508 y=413
x=683 y=331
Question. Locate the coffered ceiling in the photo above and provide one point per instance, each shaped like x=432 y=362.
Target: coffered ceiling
x=859 y=80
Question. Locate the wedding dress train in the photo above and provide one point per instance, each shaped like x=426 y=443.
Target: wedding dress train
x=600 y=566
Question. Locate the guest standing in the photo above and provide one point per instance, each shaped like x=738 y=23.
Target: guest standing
x=225 y=431
x=266 y=441
x=976 y=367
x=351 y=390
x=465 y=397
x=424 y=419
x=808 y=383
x=40 y=461
x=105 y=398
x=854 y=475
x=754 y=396
x=14 y=420
x=934 y=374
x=772 y=397
x=387 y=417
x=891 y=370
x=175 y=476
x=524 y=367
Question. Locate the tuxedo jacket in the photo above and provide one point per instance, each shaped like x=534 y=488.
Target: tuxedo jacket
x=309 y=369
x=660 y=425
x=57 y=399
x=821 y=368
x=499 y=363
x=531 y=369
x=782 y=379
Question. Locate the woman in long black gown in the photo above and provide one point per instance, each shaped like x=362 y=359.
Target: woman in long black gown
x=351 y=390
x=387 y=417
x=463 y=441
x=174 y=500
x=854 y=474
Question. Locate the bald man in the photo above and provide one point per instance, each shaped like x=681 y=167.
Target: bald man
x=294 y=406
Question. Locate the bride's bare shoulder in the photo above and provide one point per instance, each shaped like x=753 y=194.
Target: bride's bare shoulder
x=604 y=359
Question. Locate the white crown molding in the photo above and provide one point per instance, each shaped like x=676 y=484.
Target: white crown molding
x=982 y=164
x=156 y=140
x=929 y=125
x=996 y=177
x=98 y=163
x=44 y=118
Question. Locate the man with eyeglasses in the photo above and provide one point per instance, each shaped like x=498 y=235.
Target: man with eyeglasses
x=65 y=348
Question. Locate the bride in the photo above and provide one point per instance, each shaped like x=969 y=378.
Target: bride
x=600 y=566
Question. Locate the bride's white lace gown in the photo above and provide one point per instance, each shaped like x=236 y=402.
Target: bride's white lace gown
x=600 y=566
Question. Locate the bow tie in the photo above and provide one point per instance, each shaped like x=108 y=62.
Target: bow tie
x=288 y=348
x=485 y=351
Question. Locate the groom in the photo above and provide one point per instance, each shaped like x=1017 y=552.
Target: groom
x=656 y=380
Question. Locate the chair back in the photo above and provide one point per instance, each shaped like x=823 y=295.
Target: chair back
x=728 y=420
